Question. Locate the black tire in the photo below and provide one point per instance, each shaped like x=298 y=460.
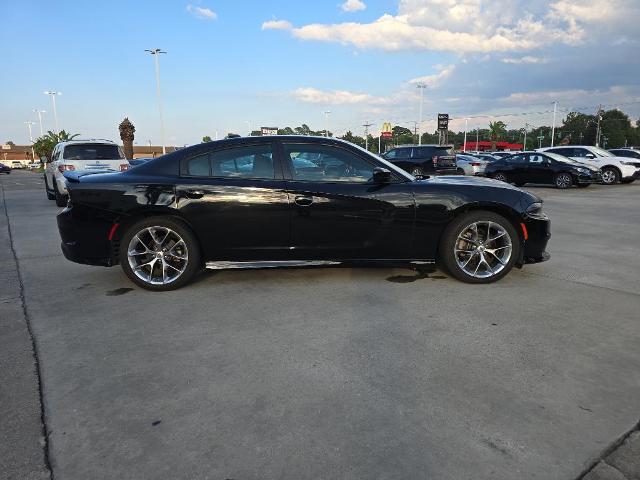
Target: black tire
x=501 y=176
x=610 y=176
x=563 y=180
x=50 y=196
x=583 y=185
x=61 y=200
x=460 y=171
x=626 y=181
x=193 y=264
x=449 y=240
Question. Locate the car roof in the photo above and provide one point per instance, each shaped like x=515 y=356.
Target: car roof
x=88 y=140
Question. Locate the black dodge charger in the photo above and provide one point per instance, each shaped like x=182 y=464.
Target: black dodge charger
x=294 y=201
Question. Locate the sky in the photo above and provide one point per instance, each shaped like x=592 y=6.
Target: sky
x=235 y=65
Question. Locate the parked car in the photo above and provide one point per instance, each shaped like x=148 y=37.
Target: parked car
x=545 y=168
x=614 y=169
x=5 y=169
x=34 y=165
x=625 y=152
x=501 y=154
x=420 y=160
x=80 y=155
x=165 y=220
x=17 y=164
x=470 y=165
x=487 y=157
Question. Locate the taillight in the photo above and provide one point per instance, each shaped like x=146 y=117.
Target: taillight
x=62 y=168
x=476 y=164
x=124 y=167
x=434 y=160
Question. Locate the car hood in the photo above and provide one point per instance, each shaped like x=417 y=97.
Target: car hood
x=468 y=180
x=575 y=163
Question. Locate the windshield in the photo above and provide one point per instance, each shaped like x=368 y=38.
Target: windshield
x=600 y=152
x=92 y=151
x=559 y=158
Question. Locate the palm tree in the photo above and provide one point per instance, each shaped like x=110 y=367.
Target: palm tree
x=497 y=130
x=127 y=131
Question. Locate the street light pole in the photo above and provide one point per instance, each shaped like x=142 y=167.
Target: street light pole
x=40 y=112
x=477 y=137
x=366 y=135
x=156 y=55
x=553 y=127
x=29 y=124
x=326 y=122
x=526 y=125
x=464 y=144
x=53 y=101
x=421 y=86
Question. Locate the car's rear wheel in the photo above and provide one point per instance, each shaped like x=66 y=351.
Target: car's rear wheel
x=563 y=180
x=50 y=196
x=61 y=200
x=479 y=247
x=501 y=176
x=159 y=253
x=610 y=176
x=416 y=172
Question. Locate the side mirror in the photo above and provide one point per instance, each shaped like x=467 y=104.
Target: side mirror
x=590 y=155
x=381 y=175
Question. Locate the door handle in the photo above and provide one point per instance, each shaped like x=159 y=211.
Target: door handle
x=195 y=194
x=303 y=201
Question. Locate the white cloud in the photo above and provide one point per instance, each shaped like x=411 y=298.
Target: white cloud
x=202 y=12
x=277 y=25
x=431 y=81
x=335 y=97
x=353 y=5
x=474 y=26
x=526 y=59
x=576 y=97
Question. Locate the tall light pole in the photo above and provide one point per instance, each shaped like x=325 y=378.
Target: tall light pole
x=421 y=86
x=40 y=112
x=477 y=137
x=553 y=127
x=326 y=122
x=156 y=55
x=53 y=96
x=29 y=124
x=366 y=135
x=464 y=144
x=526 y=126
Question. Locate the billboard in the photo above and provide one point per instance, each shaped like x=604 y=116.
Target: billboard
x=269 y=130
x=443 y=121
x=386 y=131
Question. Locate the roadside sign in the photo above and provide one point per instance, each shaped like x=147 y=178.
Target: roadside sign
x=386 y=131
x=443 y=121
x=269 y=130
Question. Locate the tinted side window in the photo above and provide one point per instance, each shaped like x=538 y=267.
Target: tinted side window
x=567 y=152
x=403 y=152
x=578 y=152
x=198 y=166
x=422 y=152
x=536 y=159
x=443 y=151
x=321 y=163
x=254 y=161
x=515 y=159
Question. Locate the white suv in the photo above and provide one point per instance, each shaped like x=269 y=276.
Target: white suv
x=614 y=169
x=80 y=155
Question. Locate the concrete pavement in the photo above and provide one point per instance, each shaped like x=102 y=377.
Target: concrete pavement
x=341 y=373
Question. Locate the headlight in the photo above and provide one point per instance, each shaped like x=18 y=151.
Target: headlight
x=631 y=164
x=583 y=170
x=535 y=210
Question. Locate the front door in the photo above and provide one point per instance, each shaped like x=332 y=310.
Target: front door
x=337 y=213
x=538 y=168
x=235 y=199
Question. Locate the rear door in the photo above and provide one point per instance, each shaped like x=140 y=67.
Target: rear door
x=538 y=168
x=235 y=199
x=337 y=213
x=402 y=157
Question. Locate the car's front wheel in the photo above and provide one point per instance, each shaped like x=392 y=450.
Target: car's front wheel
x=160 y=253
x=479 y=247
x=610 y=176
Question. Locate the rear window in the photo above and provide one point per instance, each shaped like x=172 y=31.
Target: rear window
x=427 y=152
x=92 y=151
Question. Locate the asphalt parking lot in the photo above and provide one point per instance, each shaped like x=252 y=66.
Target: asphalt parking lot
x=340 y=372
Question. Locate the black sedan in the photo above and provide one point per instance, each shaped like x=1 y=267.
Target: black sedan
x=5 y=169
x=293 y=201
x=543 y=168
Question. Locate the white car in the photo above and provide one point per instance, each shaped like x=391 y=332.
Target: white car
x=470 y=164
x=614 y=169
x=80 y=155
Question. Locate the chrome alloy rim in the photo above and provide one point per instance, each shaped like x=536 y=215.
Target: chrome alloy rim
x=608 y=176
x=501 y=177
x=157 y=255
x=483 y=249
x=563 y=180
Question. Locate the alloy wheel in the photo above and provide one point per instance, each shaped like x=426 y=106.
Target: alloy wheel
x=564 y=180
x=157 y=255
x=483 y=249
x=609 y=176
x=500 y=177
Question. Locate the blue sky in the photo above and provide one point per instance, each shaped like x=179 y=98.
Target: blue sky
x=283 y=63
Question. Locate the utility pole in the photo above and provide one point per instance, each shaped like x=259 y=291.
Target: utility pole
x=53 y=96
x=477 y=137
x=526 y=126
x=598 y=128
x=40 y=112
x=366 y=135
x=326 y=122
x=421 y=86
x=553 y=127
x=29 y=125
x=156 y=55
x=464 y=144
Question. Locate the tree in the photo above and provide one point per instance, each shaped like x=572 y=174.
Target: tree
x=580 y=128
x=497 y=131
x=355 y=139
x=286 y=131
x=43 y=146
x=10 y=142
x=617 y=129
x=127 y=136
x=206 y=139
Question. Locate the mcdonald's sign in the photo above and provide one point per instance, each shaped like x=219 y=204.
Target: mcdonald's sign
x=386 y=131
